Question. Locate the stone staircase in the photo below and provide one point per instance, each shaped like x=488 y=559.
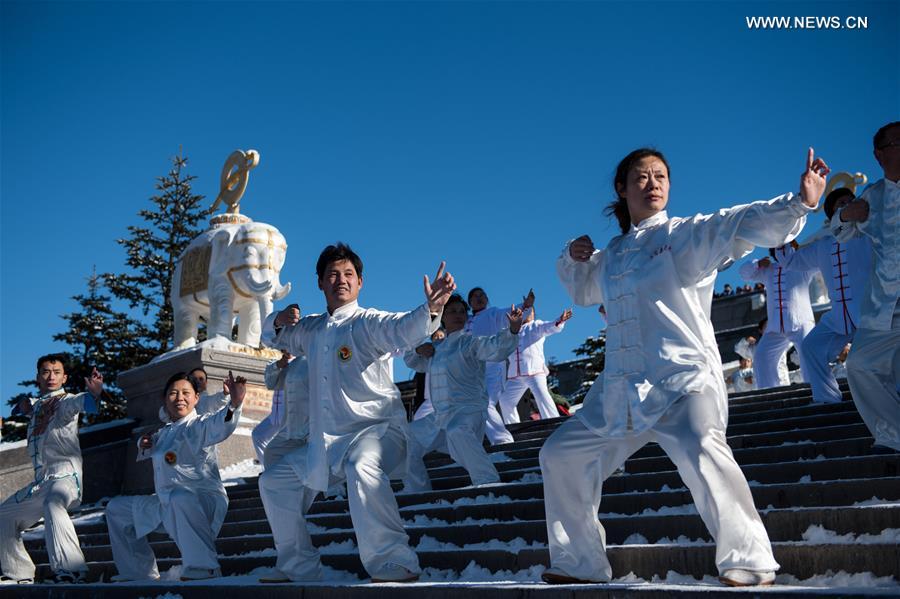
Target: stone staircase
x=825 y=495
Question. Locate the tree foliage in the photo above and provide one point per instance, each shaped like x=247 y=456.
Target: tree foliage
x=593 y=349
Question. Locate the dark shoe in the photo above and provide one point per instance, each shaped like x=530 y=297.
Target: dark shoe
x=391 y=572
x=557 y=576
x=67 y=577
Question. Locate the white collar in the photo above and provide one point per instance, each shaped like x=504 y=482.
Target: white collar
x=344 y=311
x=650 y=221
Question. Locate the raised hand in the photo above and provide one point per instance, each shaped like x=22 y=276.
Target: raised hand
x=581 y=249
x=94 y=383
x=288 y=317
x=236 y=388
x=437 y=293
x=515 y=317
x=813 y=179
x=566 y=315
x=855 y=211
x=426 y=350
x=528 y=300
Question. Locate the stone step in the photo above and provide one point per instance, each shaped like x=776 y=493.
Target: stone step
x=645 y=561
x=783 y=525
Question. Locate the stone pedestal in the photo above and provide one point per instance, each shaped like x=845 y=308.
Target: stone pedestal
x=144 y=388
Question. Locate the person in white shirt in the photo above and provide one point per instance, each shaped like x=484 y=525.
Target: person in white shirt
x=487 y=320
x=56 y=456
x=845 y=268
x=208 y=403
x=789 y=312
x=455 y=368
x=268 y=428
x=527 y=368
x=357 y=422
x=190 y=500
x=746 y=347
x=742 y=378
x=873 y=366
x=662 y=380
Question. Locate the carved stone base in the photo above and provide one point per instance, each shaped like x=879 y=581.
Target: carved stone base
x=144 y=388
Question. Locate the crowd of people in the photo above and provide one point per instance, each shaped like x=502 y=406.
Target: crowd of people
x=728 y=290
x=337 y=417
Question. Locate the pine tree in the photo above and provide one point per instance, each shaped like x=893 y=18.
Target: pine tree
x=153 y=250
x=594 y=351
x=106 y=339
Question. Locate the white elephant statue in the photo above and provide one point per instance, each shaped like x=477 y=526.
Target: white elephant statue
x=230 y=270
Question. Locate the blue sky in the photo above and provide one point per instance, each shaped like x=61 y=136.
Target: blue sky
x=483 y=133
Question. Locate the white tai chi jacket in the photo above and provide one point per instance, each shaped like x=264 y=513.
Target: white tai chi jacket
x=879 y=302
x=456 y=370
x=291 y=383
x=528 y=359
x=183 y=455
x=351 y=389
x=656 y=282
x=53 y=438
x=787 y=292
x=845 y=268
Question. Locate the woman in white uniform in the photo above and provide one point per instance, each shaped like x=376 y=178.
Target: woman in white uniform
x=190 y=501
x=455 y=368
x=662 y=381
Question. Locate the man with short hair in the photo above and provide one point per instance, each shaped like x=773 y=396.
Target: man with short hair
x=357 y=422
x=873 y=367
x=56 y=455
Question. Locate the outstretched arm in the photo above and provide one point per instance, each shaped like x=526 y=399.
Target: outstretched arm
x=578 y=268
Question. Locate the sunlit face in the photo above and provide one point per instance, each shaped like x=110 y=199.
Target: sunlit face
x=200 y=377
x=478 y=299
x=455 y=317
x=647 y=188
x=438 y=335
x=51 y=376
x=180 y=400
x=340 y=283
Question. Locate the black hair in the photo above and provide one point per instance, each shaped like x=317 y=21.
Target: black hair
x=619 y=208
x=473 y=290
x=881 y=134
x=180 y=376
x=201 y=369
x=61 y=358
x=833 y=198
x=337 y=253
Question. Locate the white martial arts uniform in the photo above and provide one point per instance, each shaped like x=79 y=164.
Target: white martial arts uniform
x=458 y=395
x=845 y=269
x=527 y=369
x=662 y=382
x=265 y=431
x=357 y=422
x=739 y=380
x=745 y=350
x=56 y=456
x=789 y=311
x=873 y=367
x=189 y=504
x=485 y=323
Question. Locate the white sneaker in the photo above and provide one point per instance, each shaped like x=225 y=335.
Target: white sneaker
x=736 y=577
x=276 y=576
x=391 y=572
x=559 y=576
x=188 y=574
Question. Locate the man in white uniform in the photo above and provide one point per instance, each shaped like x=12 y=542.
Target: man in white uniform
x=357 y=422
x=789 y=311
x=662 y=380
x=527 y=368
x=486 y=321
x=873 y=367
x=845 y=269
x=56 y=456
x=190 y=500
x=209 y=403
x=455 y=368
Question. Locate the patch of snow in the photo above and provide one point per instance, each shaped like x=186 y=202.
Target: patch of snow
x=818 y=458
x=822 y=536
x=531 y=477
x=475 y=573
x=427 y=543
x=668 y=510
x=102 y=425
x=237 y=472
x=840 y=579
x=479 y=500
x=876 y=502
x=805 y=479
x=498 y=457
x=639 y=539
x=8 y=445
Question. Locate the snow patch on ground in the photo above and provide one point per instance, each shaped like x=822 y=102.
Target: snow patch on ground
x=876 y=502
x=668 y=510
x=7 y=445
x=822 y=536
x=479 y=500
x=237 y=472
x=427 y=543
x=531 y=477
x=639 y=539
x=475 y=573
x=498 y=457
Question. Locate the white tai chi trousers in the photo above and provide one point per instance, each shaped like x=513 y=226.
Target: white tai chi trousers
x=51 y=500
x=462 y=439
x=575 y=462
x=373 y=507
x=873 y=371
x=820 y=348
x=494 y=375
x=188 y=520
x=513 y=391
x=262 y=435
x=768 y=353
